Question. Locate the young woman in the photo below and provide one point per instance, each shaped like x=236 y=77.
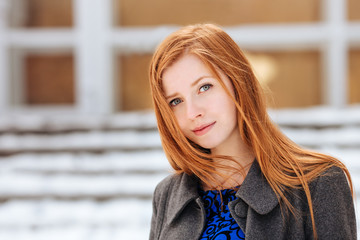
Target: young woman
x=236 y=175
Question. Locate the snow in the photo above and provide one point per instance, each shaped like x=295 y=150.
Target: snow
x=317 y=116
x=153 y=160
x=23 y=121
x=75 y=232
x=346 y=136
x=55 y=186
x=50 y=212
x=73 y=141
x=68 y=185
x=42 y=122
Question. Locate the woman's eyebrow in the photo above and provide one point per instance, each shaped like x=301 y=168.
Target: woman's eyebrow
x=171 y=96
x=199 y=79
x=192 y=85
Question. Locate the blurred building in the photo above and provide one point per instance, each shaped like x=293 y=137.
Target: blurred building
x=92 y=56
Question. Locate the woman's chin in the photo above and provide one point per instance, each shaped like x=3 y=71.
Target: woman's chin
x=206 y=145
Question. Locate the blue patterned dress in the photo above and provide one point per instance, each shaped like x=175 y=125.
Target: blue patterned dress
x=220 y=225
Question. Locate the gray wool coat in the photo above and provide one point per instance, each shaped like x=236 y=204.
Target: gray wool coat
x=178 y=211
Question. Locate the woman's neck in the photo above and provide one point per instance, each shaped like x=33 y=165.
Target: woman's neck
x=232 y=174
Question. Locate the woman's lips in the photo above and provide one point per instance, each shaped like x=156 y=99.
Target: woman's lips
x=203 y=129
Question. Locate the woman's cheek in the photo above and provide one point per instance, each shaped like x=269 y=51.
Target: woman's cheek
x=181 y=121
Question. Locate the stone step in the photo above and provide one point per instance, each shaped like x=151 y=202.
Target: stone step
x=128 y=140
x=76 y=176
x=344 y=137
x=137 y=162
x=51 y=212
x=30 y=123
x=92 y=177
x=100 y=177
x=77 y=232
x=317 y=117
x=83 y=208
x=114 y=162
x=350 y=157
x=23 y=122
x=93 y=141
x=84 y=219
x=116 y=218
x=74 y=187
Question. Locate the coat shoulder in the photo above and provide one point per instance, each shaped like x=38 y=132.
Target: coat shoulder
x=165 y=186
x=332 y=185
x=332 y=200
x=165 y=183
x=333 y=177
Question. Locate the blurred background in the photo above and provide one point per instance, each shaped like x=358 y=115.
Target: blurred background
x=79 y=150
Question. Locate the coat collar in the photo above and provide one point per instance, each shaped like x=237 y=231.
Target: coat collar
x=183 y=191
x=255 y=191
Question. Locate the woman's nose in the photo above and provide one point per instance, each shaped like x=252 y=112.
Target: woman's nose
x=194 y=110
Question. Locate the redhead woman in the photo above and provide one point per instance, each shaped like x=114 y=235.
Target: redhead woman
x=236 y=176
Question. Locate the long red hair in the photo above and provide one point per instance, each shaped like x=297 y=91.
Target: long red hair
x=284 y=164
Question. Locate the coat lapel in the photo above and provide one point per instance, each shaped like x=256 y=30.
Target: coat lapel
x=256 y=191
x=182 y=193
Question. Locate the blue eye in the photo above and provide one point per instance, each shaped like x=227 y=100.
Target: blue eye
x=175 y=102
x=205 y=88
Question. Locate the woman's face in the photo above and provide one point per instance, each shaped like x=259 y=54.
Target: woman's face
x=205 y=113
